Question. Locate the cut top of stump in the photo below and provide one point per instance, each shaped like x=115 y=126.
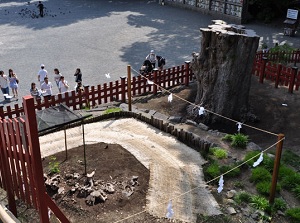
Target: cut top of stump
x=220 y=26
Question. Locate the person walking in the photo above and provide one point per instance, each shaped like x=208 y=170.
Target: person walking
x=161 y=61
x=152 y=58
x=41 y=8
x=4 y=83
x=57 y=76
x=63 y=85
x=46 y=88
x=42 y=74
x=78 y=76
x=13 y=82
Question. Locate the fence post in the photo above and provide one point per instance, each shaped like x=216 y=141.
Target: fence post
x=123 y=88
x=262 y=71
x=129 y=86
x=155 y=80
x=276 y=168
x=34 y=145
x=187 y=73
x=278 y=72
x=292 y=80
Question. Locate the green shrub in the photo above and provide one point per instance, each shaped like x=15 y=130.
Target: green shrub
x=285 y=171
x=227 y=137
x=264 y=187
x=239 y=140
x=219 y=153
x=294 y=214
x=241 y=197
x=238 y=184
x=290 y=158
x=233 y=173
x=296 y=190
x=112 y=110
x=249 y=155
x=259 y=202
x=291 y=181
x=267 y=162
x=260 y=174
x=213 y=170
x=54 y=165
x=279 y=204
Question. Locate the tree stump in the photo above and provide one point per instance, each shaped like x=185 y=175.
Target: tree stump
x=223 y=69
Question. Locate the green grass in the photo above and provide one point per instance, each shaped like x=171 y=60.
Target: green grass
x=279 y=204
x=296 y=191
x=218 y=152
x=293 y=214
x=233 y=173
x=213 y=170
x=238 y=140
x=53 y=165
x=259 y=202
x=242 y=197
x=290 y=158
x=264 y=187
x=260 y=174
x=112 y=110
x=290 y=181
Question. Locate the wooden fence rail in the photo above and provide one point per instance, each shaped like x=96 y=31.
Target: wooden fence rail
x=280 y=56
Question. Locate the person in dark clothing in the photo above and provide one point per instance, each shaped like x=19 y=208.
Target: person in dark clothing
x=78 y=75
x=146 y=67
x=41 y=8
x=161 y=61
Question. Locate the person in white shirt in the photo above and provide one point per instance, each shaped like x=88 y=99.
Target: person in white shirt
x=4 y=83
x=57 y=76
x=42 y=74
x=46 y=88
x=63 y=85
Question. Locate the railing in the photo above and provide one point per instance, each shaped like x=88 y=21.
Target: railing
x=109 y=92
x=279 y=57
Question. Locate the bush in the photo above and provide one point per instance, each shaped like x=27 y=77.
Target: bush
x=242 y=196
x=259 y=202
x=213 y=170
x=294 y=214
x=296 y=190
x=239 y=140
x=227 y=137
x=264 y=187
x=291 y=181
x=279 y=204
x=285 y=171
x=260 y=174
x=54 y=165
x=219 y=153
x=249 y=155
x=232 y=173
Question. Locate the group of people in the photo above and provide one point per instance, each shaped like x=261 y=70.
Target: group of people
x=150 y=62
x=11 y=81
x=46 y=85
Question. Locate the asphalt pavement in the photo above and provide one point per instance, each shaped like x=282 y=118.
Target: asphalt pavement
x=101 y=37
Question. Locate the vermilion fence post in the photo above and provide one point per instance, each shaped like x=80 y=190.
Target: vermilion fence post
x=155 y=81
x=292 y=80
x=278 y=73
x=187 y=73
x=129 y=86
x=276 y=168
x=262 y=71
x=34 y=146
x=123 y=89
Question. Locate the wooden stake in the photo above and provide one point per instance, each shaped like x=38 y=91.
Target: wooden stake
x=276 y=168
x=129 y=86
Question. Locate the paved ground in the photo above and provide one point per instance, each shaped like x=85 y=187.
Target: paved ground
x=101 y=37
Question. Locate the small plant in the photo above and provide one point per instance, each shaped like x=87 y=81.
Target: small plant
x=233 y=173
x=260 y=174
x=294 y=214
x=264 y=187
x=213 y=170
x=268 y=162
x=112 y=110
x=249 y=155
x=259 y=202
x=291 y=181
x=227 y=137
x=239 y=140
x=54 y=165
x=219 y=153
x=242 y=197
x=285 y=171
x=296 y=191
x=279 y=204
x=238 y=184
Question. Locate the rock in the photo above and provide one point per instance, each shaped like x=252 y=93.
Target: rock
x=252 y=146
x=230 y=201
x=231 y=211
x=76 y=175
x=231 y=193
x=246 y=211
x=190 y=122
x=61 y=190
x=280 y=213
x=69 y=176
x=109 y=188
x=203 y=127
x=176 y=119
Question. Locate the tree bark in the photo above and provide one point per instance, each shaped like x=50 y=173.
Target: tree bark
x=223 y=69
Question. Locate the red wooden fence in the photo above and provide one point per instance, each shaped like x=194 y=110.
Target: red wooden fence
x=280 y=56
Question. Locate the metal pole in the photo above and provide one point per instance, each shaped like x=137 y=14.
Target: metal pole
x=83 y=139
x=276 y=167
x=129 y=86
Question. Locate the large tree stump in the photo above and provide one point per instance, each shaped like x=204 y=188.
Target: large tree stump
x=223 y=69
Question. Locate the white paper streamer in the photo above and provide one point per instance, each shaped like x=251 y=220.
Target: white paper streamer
x=259 y=160
x=221 y=184
x=170 y=98
x=107 y=75
x=150 y=82
x=239 y=126
x=201 y=110
x=170 y=211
